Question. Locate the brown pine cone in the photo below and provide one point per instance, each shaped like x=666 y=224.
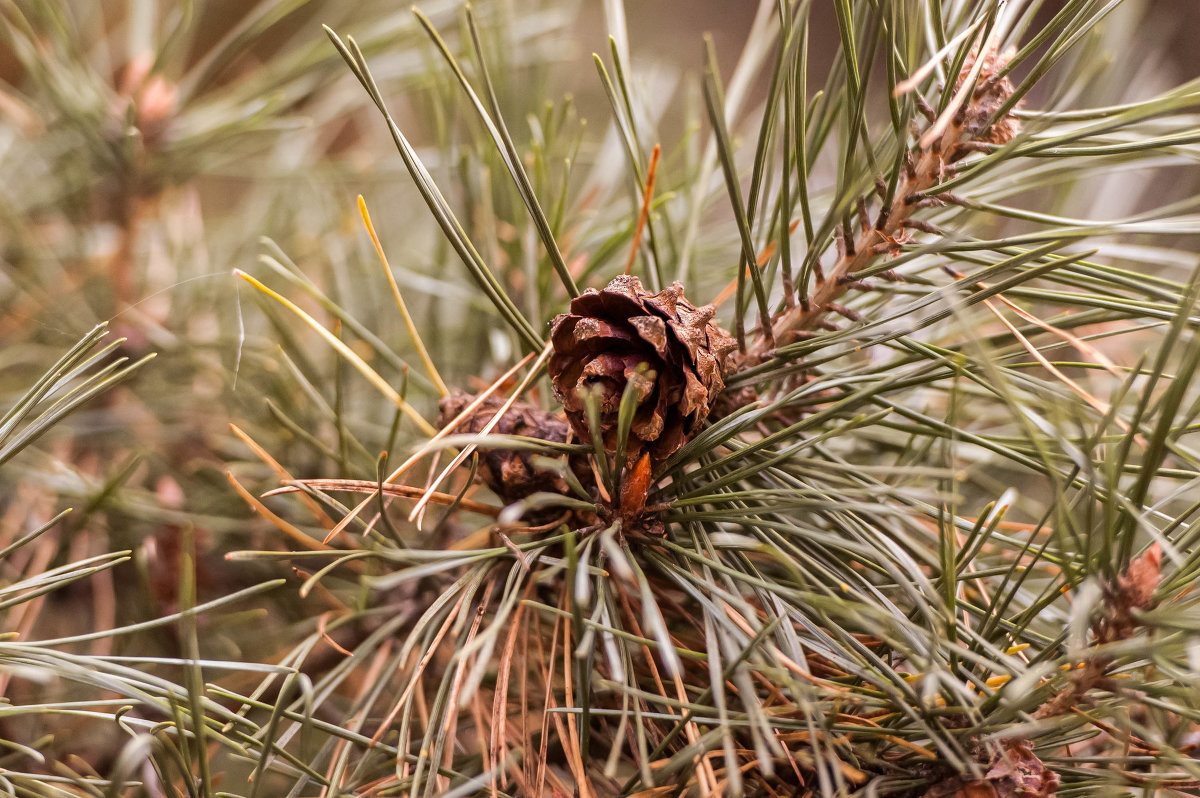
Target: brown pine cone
x=511 y=474
x=1013 y=772
x=609 y=334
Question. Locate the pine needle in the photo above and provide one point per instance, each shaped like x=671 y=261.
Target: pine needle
x=644 y=214
x=422 y=351
x=342 y=349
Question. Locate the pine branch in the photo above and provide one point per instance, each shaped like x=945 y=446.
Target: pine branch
x=947 y=139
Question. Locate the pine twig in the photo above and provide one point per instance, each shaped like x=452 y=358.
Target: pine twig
x=932 y=157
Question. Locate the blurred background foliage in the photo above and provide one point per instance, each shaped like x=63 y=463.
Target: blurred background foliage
x=149 y=148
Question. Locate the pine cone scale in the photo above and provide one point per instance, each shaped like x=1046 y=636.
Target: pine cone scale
x=653 y=331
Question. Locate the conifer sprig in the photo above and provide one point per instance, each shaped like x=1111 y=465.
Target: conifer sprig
x=858 y=589
x=937 y=543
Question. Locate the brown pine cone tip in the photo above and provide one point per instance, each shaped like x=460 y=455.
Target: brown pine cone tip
x=602 y=344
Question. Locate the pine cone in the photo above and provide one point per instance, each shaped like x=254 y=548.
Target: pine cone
x=1014 y=772
x=511 y=474
x=603 y=342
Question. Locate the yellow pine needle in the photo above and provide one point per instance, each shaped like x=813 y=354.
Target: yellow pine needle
x=940 y=701
x=761 y=261
x=422 y=352
x=283 y=474
x=1065 y=335
x=571 y=741
x=907 y=744
x=370 y=486
x=704 y=773
x=900 y=741
x=372 y=376
x=1099 y=405
x=305 y=540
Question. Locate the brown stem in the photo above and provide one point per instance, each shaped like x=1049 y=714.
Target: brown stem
x=925 y=174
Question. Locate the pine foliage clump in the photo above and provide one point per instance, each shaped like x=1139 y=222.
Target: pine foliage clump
x=924 y=528
x=840 y=446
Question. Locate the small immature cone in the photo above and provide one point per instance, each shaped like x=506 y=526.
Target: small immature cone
x=511 y=474
x=154 y=100
x=1132 y=594
x=669 y=352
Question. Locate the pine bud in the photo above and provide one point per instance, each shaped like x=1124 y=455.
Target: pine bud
x=991 y=93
